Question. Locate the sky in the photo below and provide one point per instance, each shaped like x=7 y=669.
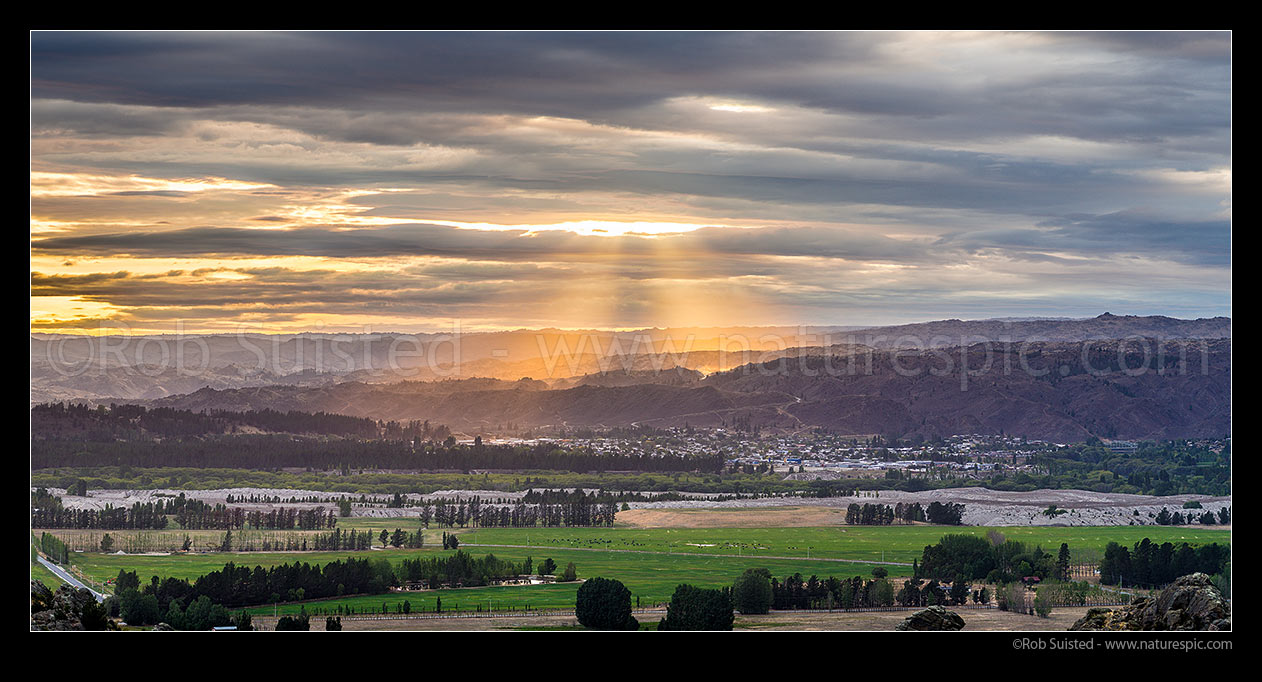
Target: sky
x=416 y=181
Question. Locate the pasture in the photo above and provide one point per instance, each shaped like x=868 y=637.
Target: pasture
x=899 y=544
x=650 y=562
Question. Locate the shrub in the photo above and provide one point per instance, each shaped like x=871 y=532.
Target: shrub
x=302 y=622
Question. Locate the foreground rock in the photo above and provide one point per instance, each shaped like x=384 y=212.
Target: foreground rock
x=1189 y=603
x=68 y=608
x=932 y=619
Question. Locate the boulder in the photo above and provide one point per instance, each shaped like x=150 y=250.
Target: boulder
x=41 y=597
x=1189 y=603
x=65 y=609
x=933 y=618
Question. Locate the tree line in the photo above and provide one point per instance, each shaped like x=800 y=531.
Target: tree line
x=1206 y=518
x=272 y=451
x=77 y=421
x=1148 y=564
x=460 y=570
x=579 y=510
x=993 y=558
x=237 y=585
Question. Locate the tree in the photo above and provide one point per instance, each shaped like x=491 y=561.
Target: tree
x=604 y=604
x=950 y=513
x=696 y=608
x=94 y=616
x=965 y=556
x=548 y=567
x=879 y=572
x=569 y=575
x=385 y=537
x=959 y=592
x=107 y=543
x=332 y=624
x=751 y=593
x=138 y=609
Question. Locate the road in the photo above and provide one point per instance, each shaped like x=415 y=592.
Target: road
x=66 y=576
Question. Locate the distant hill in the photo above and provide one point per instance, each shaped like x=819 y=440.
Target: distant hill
x=1106 y=326
x=142 y=369
x=1065 y=391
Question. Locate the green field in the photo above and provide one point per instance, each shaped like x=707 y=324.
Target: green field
x=651 y=561
x=652 y=577
x=864 y=543
x=38 y=572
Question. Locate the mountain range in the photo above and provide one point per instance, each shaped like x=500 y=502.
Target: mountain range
x=1062 y=380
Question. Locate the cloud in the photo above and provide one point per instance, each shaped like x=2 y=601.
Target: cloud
x=824 y=171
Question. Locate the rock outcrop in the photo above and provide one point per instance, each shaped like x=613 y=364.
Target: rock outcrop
x=68 y=608
x=1189 y=603
x=931 y=619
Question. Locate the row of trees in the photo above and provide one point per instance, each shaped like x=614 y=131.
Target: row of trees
x=155 y=603
x=47 y=512
x=464 y=570
x=994 y=558
x=1207 y=518
x=757 y=591
x=280 y=451
x=59 y=421
x=1148 y=564
x=605 y=604
x=201 y=516
x=945 y=513
x=235 y=586
x=580 y=511
x=52 y=546
x=869 y=514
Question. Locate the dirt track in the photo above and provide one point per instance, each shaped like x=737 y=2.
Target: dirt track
x=975 y=620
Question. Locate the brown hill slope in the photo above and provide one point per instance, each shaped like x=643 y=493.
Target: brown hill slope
x=1054 y=391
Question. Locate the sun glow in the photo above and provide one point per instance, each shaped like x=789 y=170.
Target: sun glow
x=592 y=228
x=48 y=184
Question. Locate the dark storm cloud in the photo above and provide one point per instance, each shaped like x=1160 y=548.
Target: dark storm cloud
x=1204 y=242
x=541 y=72
x=611 y=76
x=1213 y=46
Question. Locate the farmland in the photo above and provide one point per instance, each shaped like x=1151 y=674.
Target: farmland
x=651 y=562
x=899 y=544
x=652 y=577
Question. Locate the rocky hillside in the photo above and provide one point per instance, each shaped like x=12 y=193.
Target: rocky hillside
x=1189 y=603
